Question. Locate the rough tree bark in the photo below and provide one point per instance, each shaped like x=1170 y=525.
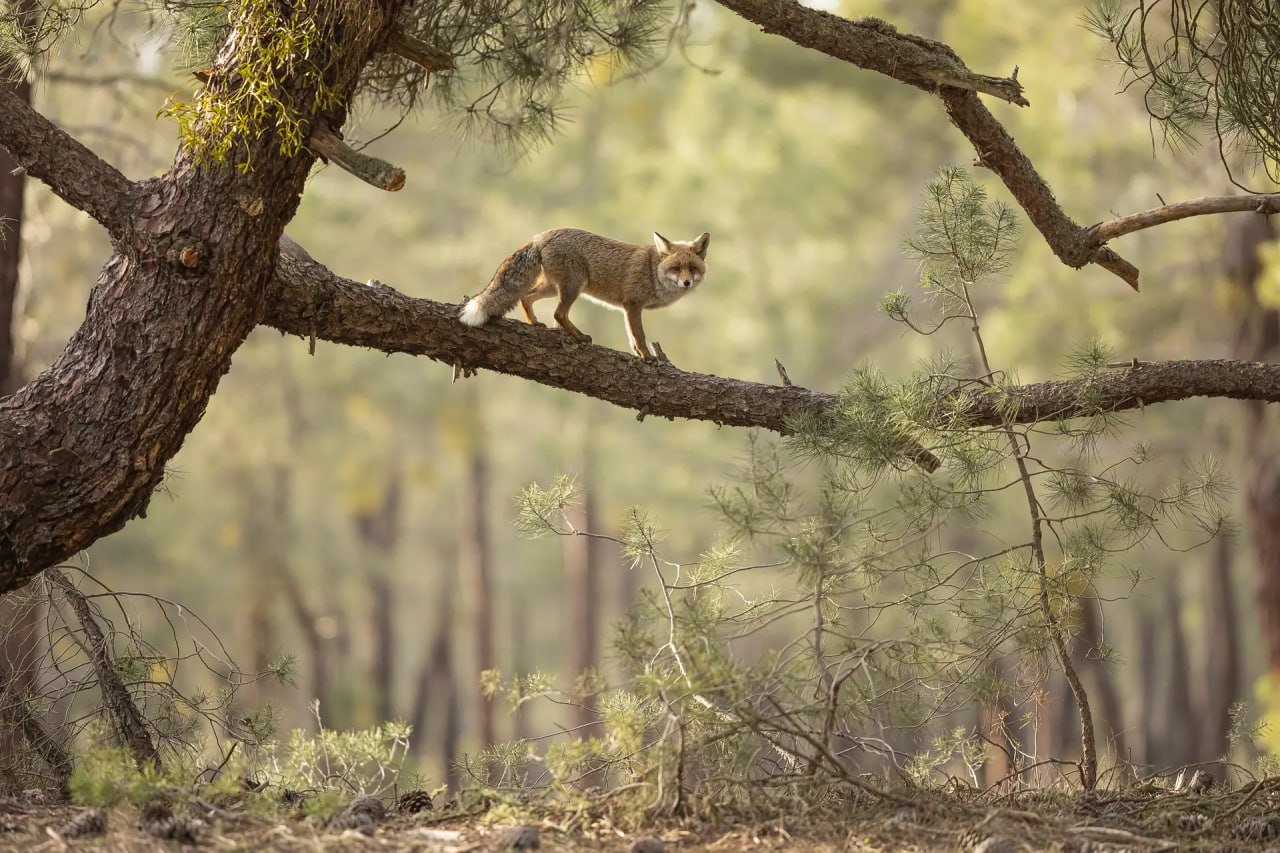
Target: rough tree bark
x=83 y=446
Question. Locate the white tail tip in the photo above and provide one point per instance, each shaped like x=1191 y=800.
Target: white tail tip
x=472 y=314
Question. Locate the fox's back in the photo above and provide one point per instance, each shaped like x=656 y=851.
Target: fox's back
x=603 y=254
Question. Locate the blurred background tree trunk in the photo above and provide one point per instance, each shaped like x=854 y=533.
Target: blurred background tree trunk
x=378 y=529
x=583 y=582
x=20 y=615
x=1257 y=339
x=475 y=563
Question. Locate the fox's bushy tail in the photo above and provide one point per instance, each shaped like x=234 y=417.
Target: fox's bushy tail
x=514 y=278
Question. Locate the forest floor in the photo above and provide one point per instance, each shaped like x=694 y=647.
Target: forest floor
x=1246 y=819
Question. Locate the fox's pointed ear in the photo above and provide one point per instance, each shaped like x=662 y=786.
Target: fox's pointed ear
x=663 y=244
x=700 y=245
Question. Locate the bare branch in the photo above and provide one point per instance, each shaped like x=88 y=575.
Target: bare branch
x=77 y=79
x=80 y=177
x=306 y=299
x=115 y=696
x=875 y=45
x=934 y=67
x=371 y=170
x=1265 y=204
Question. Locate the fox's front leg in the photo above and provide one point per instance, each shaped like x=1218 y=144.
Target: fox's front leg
x=635 y=332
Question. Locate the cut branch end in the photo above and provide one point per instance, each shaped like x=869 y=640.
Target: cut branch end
x=373 y=171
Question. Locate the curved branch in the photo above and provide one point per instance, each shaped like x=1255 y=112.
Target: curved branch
x=876 y=46
x=306 y=299
x=78 y=176
x=1265 y=204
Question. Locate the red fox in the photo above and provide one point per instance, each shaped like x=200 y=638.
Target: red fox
x=568 y=263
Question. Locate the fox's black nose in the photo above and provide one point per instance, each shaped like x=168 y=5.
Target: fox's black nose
x=686 y=283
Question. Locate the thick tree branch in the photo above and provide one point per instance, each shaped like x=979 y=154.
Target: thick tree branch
x=81 y=178
x=308 y=300
x=1265 y=204
x=876 y=46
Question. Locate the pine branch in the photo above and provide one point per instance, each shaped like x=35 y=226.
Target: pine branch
x=308 y=300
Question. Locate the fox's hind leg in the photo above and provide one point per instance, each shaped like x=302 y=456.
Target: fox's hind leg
x=541 y=290
x=568 y=276
x=567 y=297
x=526 y=305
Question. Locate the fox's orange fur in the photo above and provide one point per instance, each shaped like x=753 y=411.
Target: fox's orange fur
x=568 y=263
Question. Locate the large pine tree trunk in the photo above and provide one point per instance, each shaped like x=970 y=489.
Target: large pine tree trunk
x=83 y=446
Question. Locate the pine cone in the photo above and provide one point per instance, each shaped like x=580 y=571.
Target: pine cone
x=154 y=812
x=412 y=802
x=180 y=829
x=362 y=814
x=92 y=822
x=366 y=806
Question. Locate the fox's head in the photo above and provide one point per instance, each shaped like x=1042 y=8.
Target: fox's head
x=683 y=265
